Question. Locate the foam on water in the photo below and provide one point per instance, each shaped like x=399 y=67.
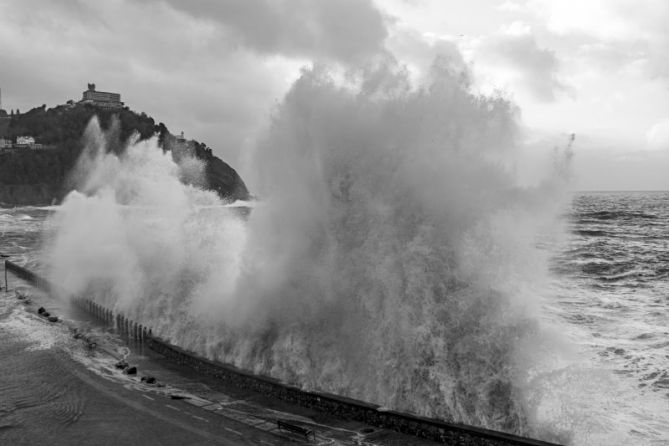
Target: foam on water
x=26 y=328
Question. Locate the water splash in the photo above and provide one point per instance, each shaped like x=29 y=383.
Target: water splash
x=392 y=257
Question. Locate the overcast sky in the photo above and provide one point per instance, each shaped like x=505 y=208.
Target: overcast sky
x=216 y=68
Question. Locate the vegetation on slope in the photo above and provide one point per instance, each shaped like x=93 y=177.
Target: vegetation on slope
x=63 y=126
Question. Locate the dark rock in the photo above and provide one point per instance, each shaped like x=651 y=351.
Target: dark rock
x=148 y=379
x=53 y=319
x=176 y=396
x=225 y=180
x=131 y=370
x=41 y=310
x=46 y=314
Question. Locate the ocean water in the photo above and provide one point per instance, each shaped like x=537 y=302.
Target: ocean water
x=607 y=307
x=611 y=293
x=614 y=274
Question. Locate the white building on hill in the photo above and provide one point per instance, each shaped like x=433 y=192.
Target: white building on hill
x=25 y=140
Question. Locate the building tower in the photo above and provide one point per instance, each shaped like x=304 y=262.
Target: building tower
x=101 y=98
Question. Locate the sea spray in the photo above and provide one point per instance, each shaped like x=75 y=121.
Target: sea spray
x=130 y=229
x=391 y=257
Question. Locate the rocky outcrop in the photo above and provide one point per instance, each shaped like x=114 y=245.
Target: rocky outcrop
x=225 y=180
x=28 y=194
x=219 y=176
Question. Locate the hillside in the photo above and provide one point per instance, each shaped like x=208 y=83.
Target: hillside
x=38 y=177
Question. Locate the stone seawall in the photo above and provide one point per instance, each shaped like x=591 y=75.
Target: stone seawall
x=340 y=407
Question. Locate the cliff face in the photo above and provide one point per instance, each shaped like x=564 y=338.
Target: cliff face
x=29 y=177
x=225 y=180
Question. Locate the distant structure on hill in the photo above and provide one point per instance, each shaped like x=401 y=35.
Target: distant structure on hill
x=25 y=140
x=23 y=143
x=101 y=98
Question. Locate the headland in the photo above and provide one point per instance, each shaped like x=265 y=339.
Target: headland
x=40 y=148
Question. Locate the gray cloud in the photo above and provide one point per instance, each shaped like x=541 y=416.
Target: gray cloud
x=538 y=66
x=164 y=62
x=615 y=33
x=213 y=69
x=343 y=30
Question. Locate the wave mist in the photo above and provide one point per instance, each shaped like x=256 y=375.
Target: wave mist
x=391 y=256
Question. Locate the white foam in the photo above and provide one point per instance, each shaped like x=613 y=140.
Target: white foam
x=39 y=334
x=392 y=257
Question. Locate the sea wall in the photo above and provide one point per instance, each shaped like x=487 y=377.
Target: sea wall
x=340 y=407
x=27 y=275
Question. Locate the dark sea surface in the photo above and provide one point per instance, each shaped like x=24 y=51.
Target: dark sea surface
x=609 y=304
x=611 y=295
x=614 y=269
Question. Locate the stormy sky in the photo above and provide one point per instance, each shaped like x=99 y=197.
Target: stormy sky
x=215 y=69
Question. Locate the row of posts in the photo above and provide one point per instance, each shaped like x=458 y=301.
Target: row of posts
x=123 y=325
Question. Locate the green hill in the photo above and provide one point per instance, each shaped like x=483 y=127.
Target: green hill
x=37 y=177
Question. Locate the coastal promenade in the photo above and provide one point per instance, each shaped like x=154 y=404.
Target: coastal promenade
x=262 y=401
x=67 y=390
